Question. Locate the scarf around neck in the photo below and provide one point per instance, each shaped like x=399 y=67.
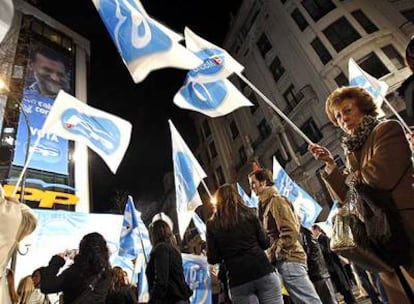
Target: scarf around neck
x=353 y=142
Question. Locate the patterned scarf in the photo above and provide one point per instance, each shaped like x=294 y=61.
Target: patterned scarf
x=353 y=142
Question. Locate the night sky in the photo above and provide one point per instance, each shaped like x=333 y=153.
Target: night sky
x=147 y=105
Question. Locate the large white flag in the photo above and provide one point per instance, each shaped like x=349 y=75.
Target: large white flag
x=106 y=134
x=6 y=17
x=217 y=63
x=144 y=44
x=210 y=98
x=305 y=206
x=187 y=176
x=377 y=88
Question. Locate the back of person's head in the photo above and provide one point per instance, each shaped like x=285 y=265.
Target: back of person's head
x=93 y=254
x=118 y=278
x=263 y=175
x=229 y=208
x=37 y=277
x=160 y=232
x=25 y=289
x=409 y=54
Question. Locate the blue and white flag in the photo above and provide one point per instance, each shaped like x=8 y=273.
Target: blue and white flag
x=305 y=206
x=250 y=201
x=377 y=88
x=200 y=225
x=217 y=63
x=197 y=276
x=144 y=44
x=134 y=239
x=187 y=176
x=6 y=17
x=210 y=98
x=106 y=134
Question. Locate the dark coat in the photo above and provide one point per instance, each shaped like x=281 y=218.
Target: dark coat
x=125 y=295
x=73 y=282
x=241 y=250
x=317 y=268
x=165 y=275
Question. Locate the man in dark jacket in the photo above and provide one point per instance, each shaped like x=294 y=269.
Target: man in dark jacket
x=317 y=270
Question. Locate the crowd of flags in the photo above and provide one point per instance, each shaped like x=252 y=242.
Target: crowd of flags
x=146 y=45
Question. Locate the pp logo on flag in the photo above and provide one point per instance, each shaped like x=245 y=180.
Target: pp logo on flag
x=133 y=24
x=213 y=62
x=186 y=188
x=204 y=96
x=362 y=82
x=101 y=132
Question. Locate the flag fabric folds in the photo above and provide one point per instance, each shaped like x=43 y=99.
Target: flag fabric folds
x=217 y=63
x=187 y=176
x=213 y=99
x=134 y=239
x=250 y=201
x=377 y=88
x=6 y=17
x=200 y=226
x=106 y=134
x=305 y=206
x=143 y=43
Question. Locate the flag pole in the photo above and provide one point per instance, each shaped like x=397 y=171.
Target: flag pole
x=26 y=164
x=388 y=103
x=277 y=110
x=142 y=245
x=205 y=187
x=397 y=115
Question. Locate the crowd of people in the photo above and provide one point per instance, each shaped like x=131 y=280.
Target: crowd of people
x=262 y=251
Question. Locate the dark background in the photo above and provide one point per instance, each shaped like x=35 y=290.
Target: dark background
x=147 y=105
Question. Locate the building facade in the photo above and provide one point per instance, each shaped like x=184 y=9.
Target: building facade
x=57 y=176
x=296 y=52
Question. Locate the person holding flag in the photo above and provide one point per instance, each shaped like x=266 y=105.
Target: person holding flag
x=164 y=271
x=282 y=226
x=378 y=156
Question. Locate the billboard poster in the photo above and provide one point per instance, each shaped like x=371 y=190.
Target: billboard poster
x=48 y=71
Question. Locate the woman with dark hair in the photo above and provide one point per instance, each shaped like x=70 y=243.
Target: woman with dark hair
x=378 y=156
x=87 y=280
x=120 y=292
x=236 y=238
x=165 y=272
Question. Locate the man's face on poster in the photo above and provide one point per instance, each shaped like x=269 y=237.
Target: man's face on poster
x=50 y=75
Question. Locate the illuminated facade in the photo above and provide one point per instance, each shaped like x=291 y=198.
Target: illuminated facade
x=57 y=175
x=296 y=53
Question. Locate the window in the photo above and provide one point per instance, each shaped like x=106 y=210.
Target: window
x=264 y=129
x=312 y=131
x=299 y=19
x=373 y=65
x=280 y=159
x=321 y=50
x=233 y=129
x=206 y=129
x=253 y=100
x=242 y=155
x=264 y=45
x=290 y=98
x=364 y=21
x=394 y=56
x=213 y=151
x=277 y=69
x=318 y=8
x=220 y=176
x=409 y=14
x=341 y=80
x=341 y=34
